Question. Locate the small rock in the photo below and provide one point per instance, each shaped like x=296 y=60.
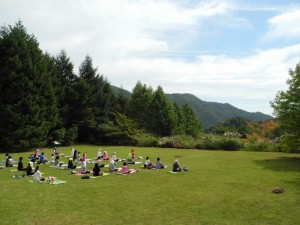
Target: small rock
x=277 y=190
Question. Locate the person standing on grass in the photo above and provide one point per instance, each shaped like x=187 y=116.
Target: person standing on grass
x=20 y=165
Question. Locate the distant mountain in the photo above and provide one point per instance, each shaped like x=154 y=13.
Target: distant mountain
x=117 y=90
x=208 y=113
x=212 y=113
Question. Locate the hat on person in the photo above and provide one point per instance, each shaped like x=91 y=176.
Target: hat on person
x=176 y=160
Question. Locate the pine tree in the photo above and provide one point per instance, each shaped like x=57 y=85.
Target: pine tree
x=191 y=125
x=179 y=119
x=27 y=101
x=95 y=101
x=138 y=105
x=64 y=82
x=162 y=115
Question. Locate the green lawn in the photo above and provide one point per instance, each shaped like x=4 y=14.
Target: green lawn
x=220 y=188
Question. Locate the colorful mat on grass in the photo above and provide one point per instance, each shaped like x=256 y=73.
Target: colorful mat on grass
x=56 y=182
x=172 y=172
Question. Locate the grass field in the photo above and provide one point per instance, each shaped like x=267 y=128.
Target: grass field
x=221 y=187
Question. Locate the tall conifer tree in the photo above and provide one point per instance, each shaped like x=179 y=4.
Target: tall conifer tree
x=27 y=101
x=161 y=114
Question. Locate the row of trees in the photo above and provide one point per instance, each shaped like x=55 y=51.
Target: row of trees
x=42 y=100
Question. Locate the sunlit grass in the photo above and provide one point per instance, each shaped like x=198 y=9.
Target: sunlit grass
x=220 y=188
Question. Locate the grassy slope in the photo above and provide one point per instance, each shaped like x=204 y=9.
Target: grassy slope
x=220 y=188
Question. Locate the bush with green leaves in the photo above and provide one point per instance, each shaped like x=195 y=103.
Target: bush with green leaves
x=177 y=141
x=146 y=140
x=231 y=144
x=261 y=146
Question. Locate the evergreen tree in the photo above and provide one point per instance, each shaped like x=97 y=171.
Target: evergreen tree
x=95 y=100
x=121 y=102
x=162 y=115
x=179 y=119
x=191 y=125
x=65 y=80
x=287 y=110
x=138 y=105
x=27 y=100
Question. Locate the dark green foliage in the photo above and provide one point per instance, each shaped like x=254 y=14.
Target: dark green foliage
x=27 y=100
x=161 y=114
x=191 y=124
x=231 y=144
x=286 y=107
x=138 y=105
x=94 y=102
x=179 y=119
x=236 y=124
x=121 y=101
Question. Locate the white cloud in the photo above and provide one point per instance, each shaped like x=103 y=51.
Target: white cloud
x=258 y=77
x=134 y=40
x=284 y=26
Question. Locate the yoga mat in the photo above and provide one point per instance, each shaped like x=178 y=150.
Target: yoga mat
x=171 y=172
x=56 y=182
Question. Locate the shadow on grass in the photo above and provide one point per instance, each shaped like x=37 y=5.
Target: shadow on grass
x=281 y=164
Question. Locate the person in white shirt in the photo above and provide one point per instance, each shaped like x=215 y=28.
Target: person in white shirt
x=147 y=164
x=37 y=176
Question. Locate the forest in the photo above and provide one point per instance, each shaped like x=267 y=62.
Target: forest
x=44 y=100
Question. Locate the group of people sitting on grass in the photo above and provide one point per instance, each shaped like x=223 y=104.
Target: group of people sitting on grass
x=40 y=158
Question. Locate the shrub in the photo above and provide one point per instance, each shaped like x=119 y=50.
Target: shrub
x=146 y=140
x=178 y=141
x=231 y=144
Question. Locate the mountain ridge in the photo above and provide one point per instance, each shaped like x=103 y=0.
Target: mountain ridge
x=208 y=113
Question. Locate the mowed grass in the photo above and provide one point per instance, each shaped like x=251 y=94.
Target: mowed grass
x=221 y=187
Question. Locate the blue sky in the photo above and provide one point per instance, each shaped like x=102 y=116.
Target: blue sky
x=229 y=51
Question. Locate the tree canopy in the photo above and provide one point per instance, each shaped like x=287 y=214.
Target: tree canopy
x=42 y=100
x=286 y=107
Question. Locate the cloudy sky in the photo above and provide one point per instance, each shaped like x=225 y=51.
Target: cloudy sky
x=228 y=51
